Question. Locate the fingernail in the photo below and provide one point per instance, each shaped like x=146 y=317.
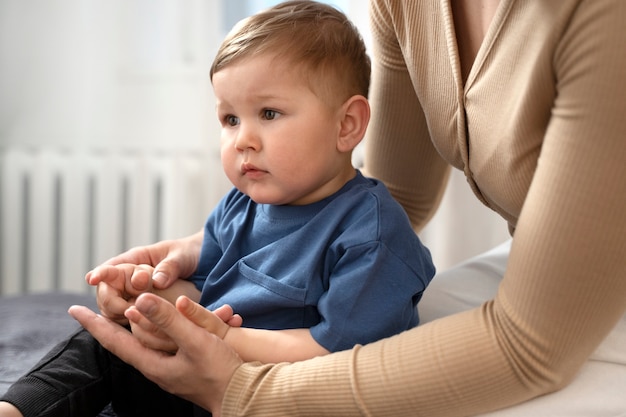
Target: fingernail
x=160 y=278
x=146 y=306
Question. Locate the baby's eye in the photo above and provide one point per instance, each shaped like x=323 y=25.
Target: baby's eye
x=231 y=120
x=270 y=114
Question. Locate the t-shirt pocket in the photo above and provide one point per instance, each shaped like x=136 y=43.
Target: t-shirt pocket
x=267 y=302
x=271 y=284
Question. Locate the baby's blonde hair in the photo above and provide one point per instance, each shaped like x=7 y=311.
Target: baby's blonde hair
x=315 y=38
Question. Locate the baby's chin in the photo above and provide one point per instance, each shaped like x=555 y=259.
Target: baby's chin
x=273 y=201
x=266 y=193
x=261 y=197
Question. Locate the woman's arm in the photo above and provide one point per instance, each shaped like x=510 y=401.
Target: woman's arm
x=563 y=291
x=411 y=167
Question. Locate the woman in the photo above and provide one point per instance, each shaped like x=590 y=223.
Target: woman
x=528 y=99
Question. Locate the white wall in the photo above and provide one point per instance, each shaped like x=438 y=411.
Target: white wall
x=107 y=74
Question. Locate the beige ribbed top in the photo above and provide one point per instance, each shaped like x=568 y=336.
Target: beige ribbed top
x=539 y=128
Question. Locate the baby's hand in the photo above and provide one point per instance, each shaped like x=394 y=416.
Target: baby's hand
x=118 y=286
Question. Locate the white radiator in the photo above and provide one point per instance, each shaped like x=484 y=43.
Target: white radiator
x=62 y=213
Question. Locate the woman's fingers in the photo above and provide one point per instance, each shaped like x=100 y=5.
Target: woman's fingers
x=111 y=303
x=204 y=318
x=148 y=333
x=199 y=371
x=116 y=338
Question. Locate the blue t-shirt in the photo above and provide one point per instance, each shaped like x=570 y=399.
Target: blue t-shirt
x=349 y=267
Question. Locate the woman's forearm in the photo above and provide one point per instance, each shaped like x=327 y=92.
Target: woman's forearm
x=423 y=371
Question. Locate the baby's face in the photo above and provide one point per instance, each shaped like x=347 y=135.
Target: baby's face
x=279 y=140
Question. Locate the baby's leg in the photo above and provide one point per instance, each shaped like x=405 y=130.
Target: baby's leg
x=78 y=377
x=72 y=379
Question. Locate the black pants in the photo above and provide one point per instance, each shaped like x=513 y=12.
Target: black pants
x=78 y=377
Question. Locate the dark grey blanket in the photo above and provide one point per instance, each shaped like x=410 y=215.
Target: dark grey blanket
x=30 y=325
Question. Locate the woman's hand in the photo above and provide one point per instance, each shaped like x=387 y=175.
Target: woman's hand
x=218 y=321
x=171 y=259
x=150 y=335
x=199 y=371
x=158 y=266
x=118 y=286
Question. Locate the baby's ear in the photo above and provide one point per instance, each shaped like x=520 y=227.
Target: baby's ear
x=355 y=117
